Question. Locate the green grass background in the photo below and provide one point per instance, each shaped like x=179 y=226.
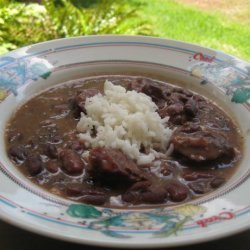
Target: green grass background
x=175 y=20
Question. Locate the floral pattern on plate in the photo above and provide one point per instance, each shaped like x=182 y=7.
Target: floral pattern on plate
x=15 y=73
x=165 y=221
x=231 y=76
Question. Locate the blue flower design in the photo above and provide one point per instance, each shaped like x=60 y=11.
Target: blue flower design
x=232 y=76
x=17 y=72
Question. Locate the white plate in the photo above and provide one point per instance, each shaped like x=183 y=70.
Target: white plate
x=218 y=76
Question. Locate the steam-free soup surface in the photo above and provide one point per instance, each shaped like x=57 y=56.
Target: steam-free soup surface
x=203 y=152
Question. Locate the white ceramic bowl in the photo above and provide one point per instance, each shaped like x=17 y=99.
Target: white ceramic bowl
x=223 y=78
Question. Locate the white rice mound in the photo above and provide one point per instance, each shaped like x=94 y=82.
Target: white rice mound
x=124 y=120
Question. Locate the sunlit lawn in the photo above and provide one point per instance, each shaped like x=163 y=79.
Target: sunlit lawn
x=213 y=27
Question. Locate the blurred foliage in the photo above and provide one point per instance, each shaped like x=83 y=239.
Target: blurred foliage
x=105 y=17
x=22 y=24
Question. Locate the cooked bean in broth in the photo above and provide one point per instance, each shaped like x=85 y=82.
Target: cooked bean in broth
x=201 y=154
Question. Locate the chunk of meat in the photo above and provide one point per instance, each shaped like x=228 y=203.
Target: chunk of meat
x=171 y=110
x=201 y=145
x=146 y=192
x=178 y=119
x=80 y=99
x=158 y=92
x=72 y=163
x=179 y=109
x=154 y=90
x=136 y=84
x=183 y=91
x=176 y=97
x=190 y=127
x=191 y=107
x=175 y=112
x=112 y=166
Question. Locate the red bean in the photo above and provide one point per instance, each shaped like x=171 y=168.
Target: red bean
x=77 y=146
x=154 y=197
x=51 y=151
x=74 y=189
x=200 y=187
x=196 y=175
x=140 y=185
x=177 y=192
x=72 y=163
x=94 y=199
x=17 y=153
x=217 y=182
x=34 y=165
x=53 y=166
